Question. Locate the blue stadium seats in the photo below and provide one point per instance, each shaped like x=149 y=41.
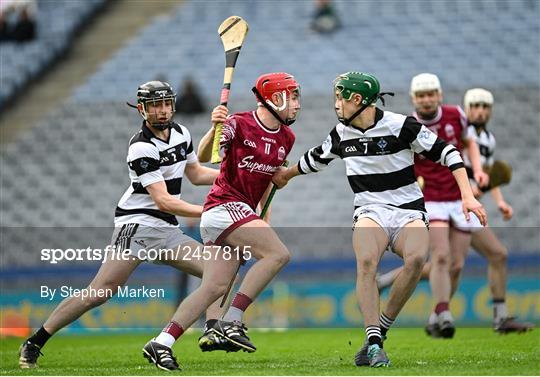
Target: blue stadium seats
x=461 y=42
x=56 y=23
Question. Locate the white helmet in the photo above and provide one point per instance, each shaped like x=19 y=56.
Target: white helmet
x=477 y=95
x=424 y=82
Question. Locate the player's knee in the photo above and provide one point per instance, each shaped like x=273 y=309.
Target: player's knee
x=367 y=266
x=441 y=260
x=455 y=269
x=499 y=255
x=281 y=257
x=215 y=290
x=415 y=262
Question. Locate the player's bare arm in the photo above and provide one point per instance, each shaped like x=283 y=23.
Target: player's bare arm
x=283 y=175
x=505 y=208
x=474 y=155
x=204 y=151
x=470 y=204
x=200 y=175
x=167 y=203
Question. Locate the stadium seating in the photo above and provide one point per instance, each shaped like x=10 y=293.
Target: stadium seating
x=69 y=171
x=388 y=39
x=57 y=22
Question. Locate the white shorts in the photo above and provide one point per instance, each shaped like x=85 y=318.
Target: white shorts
x=391 y=219
x=219 y=221
x=147 y=243
x=451 y=212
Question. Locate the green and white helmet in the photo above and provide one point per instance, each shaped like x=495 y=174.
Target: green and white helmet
x=364 y=84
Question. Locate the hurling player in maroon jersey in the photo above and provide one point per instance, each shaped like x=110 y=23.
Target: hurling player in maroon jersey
x=253 y=144
x=450 y=231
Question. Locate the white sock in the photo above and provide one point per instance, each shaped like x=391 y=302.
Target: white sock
x=433 y=318
x=500 y=311
x=445 y=316
x=165 y=339
x=233 y=314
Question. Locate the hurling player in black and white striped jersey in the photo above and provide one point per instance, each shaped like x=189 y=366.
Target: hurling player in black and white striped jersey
x=378 y=149
x=158 y=157
x=478 y=105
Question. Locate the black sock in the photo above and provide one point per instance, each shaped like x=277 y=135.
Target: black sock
x=210 y=323
x=40 y=337
x=375 y=340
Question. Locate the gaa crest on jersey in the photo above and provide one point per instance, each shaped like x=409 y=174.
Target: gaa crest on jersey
x=382 y=144
x=281 y=153
x=182 y=152
x=144 y=165
x=250 y=143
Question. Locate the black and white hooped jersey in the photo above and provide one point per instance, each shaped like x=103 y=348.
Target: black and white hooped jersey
x=379 y=161
x=151 y=160
x=486 y=144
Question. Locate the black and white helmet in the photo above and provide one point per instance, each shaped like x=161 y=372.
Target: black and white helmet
x=153 y=92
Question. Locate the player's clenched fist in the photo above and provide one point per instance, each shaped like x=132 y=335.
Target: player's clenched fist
x=219 y=114
x=280 y=178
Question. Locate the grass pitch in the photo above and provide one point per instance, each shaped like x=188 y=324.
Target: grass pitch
x=294 y=352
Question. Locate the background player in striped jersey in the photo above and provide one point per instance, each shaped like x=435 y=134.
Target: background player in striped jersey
x=158 y=157
x=378 y=148
x=478 y=104
x=449 y=231
x=254 y=144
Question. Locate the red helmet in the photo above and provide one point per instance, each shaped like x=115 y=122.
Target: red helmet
x=277 y=82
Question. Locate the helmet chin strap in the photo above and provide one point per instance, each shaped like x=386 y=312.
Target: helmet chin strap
x=347 y=121
x=272 y=108
x=161 y=126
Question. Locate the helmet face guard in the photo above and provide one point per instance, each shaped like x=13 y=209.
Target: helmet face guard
x=364 y=84
x=281 y=83
x=154 y=92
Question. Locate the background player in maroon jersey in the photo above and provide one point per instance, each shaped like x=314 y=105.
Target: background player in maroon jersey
x=449 y=230
x=254 y=144
x=478 y=104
